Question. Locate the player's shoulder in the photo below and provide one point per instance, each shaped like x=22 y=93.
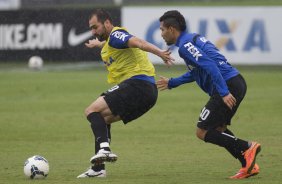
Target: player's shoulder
x=184 y=39
x=191 y=40
x=119 y=37
x=189 y=47
x=188 y=37
x=118 y=31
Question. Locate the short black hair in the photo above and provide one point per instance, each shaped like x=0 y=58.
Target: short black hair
x=174 y=19
x=102 y=15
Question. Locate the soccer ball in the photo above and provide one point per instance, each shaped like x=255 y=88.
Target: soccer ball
x=36 y=167
x=35 y=62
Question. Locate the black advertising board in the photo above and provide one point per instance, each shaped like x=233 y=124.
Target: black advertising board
x=53 y=34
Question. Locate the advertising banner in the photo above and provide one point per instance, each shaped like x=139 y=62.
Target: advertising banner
x=51 y=34
x=10 y=4
x=245 y=35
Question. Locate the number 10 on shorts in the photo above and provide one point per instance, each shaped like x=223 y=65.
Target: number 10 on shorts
x=205 y=113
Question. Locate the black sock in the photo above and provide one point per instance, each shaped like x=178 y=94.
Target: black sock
x=109 y=132
x=237 y=154
x=231 y=150
x=99 y=167
x=99 y=127
x=235 y=145
x=97 y=144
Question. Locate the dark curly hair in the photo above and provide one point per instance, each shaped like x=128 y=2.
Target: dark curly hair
x=173 y=18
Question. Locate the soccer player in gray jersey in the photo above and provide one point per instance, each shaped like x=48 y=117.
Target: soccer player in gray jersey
x=221 y=81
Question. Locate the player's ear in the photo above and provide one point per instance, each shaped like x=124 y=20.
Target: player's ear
x=107 y=22
x=171 y=29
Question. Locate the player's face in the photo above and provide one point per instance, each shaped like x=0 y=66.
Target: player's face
x=167 y=34
x=98 y=29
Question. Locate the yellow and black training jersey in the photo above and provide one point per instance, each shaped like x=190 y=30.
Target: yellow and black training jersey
x=123 y=62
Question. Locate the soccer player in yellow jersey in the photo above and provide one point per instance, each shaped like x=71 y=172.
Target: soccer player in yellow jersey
x=135 y=92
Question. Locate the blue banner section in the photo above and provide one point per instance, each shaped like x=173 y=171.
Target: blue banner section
x=249 y=37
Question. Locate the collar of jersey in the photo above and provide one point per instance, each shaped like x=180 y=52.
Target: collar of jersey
x=179 y=38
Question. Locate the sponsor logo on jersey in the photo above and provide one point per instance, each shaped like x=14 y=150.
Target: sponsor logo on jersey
x=120 y=35
x=193 y=50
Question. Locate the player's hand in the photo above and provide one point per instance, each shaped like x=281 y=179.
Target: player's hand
x=165 y=55
x=94 y=43
x=229 y=100
x=162 y=83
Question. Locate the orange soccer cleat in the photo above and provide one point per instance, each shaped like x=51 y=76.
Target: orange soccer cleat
x=250 y=156
x=242 y=173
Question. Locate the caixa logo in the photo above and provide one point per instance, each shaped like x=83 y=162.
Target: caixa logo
x=255 y=37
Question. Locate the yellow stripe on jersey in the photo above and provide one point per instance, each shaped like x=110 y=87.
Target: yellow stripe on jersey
x=125 y=63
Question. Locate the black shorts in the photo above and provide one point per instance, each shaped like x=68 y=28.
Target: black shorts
x=216 y=113
x=131 y=98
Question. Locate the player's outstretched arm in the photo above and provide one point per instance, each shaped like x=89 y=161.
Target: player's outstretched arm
x=165 y=83
x=95 y=43
x=135 y=42
x=162 y=83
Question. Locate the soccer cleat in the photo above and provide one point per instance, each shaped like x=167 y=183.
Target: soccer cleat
x=90 y=173
x=242 y=173
x=103 y=156
x=250 y=156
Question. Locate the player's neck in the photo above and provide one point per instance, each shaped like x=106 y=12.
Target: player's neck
x=176 y=36
x=109 y=29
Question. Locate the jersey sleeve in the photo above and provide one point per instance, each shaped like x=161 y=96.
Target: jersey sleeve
x=198 y=58
x=175 y=82
x=119 y=39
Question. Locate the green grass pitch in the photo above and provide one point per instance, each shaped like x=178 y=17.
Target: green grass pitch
x=42 y=113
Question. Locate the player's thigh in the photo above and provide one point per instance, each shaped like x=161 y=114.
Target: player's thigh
x=99 y=105
x=214 y=114
x=238 y=87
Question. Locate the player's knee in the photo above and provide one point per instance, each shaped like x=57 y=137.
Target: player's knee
x=90 y=109
x=111 y=119
x=87 y=111
x=108 y=120
x=201 y=133
x=221 y=128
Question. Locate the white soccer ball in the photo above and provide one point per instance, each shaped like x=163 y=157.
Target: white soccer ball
x=35 y=62
x=36 y=167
